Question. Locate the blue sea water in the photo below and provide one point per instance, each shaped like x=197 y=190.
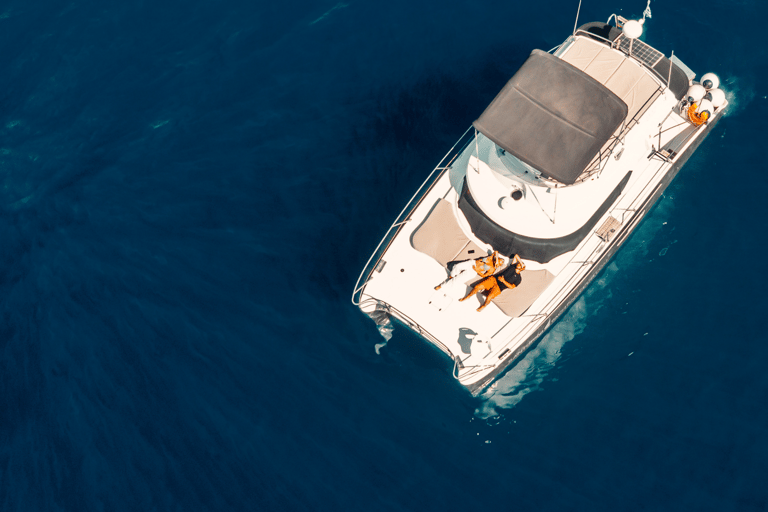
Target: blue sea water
x=189 y=191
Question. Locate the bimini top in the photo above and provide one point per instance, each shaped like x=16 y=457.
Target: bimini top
x=553 y=117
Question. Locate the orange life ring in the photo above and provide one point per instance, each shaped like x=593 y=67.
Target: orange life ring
x=695 y=118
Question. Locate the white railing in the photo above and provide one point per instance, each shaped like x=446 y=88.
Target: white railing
x=404 y=216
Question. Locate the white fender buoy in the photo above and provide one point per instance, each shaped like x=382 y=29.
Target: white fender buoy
x=706 y=106
x=695 y=93
x=716 y=96
x=710 y=81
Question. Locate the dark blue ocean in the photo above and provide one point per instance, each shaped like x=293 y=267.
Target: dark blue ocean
x=189 y=190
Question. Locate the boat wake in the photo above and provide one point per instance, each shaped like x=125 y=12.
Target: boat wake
x=739 y=95
x=531 y=371
x=339 y=5
x=528 y=374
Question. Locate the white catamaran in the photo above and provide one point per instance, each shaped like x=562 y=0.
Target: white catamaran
x=559 y=169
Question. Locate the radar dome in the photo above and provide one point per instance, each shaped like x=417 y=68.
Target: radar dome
x=710 y=81
x=716 y=96
x=633 y=29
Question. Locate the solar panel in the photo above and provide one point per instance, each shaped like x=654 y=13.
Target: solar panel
x=641 y=51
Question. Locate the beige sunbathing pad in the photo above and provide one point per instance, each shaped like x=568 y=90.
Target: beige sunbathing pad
x=582 y=52
x=515 y=301
x=441 y=237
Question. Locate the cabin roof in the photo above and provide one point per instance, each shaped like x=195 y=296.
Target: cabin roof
x=553 y=116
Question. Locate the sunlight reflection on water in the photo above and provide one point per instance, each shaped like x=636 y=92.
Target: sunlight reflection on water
x=528 y=374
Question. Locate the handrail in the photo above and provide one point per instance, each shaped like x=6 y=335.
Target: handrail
x=615 y=46
x=600 y=162
x=591 y=259
x=396 y=226
x=593 y=36
x=596 y=251
x=595 y=165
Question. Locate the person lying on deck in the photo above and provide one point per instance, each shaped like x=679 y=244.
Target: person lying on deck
x=494 y=285
x=483 y=267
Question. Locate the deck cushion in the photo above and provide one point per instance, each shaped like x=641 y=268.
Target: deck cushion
x=515 y=301
x=470 y=251
x=441 y=237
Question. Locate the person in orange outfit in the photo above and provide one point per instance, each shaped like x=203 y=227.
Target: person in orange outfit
x=494 y=285
x=483 y=267
x=489 y=265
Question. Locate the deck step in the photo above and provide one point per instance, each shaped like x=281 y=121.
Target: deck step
x=609 y=228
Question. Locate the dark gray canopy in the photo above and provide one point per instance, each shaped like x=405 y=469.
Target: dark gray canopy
x=553 y=117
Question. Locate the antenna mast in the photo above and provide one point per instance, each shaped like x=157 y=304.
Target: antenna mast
x=576 y=23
